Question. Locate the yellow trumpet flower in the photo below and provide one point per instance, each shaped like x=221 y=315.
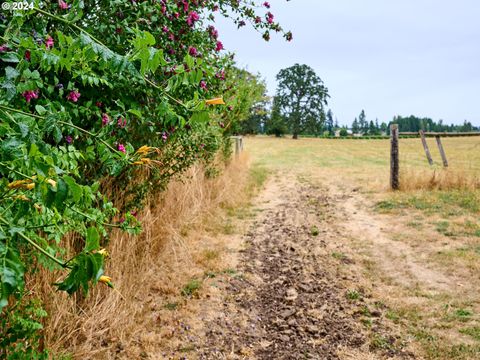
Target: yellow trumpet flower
x=216 y=101
x=29 y=186
x=21 y=197
x=103 y=252
x=142 y=161
x=18 y=184
x=52 y=182
x=143 y=150
x=105 y=279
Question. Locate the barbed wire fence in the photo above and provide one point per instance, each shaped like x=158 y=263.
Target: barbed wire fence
x=449 y=155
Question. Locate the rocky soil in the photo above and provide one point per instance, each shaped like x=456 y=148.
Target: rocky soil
x=291 y=300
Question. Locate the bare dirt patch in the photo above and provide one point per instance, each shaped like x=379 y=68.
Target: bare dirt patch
x=291 y=300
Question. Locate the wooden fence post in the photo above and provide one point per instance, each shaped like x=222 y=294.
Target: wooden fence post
x=425 y=147
x=394 y=158
x=237 y=146
x=442 y=152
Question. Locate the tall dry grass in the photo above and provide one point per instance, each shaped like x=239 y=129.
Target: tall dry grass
x=159 y=260
x=438 y=179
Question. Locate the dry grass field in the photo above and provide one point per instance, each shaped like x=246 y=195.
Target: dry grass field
x=418 y=249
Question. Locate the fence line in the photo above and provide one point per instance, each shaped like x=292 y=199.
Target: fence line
x=238 y=144
x=441 y=134
x=395 y=151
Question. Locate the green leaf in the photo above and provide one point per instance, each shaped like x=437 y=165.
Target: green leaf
x=61 y=195
x=74 y=189
x=11 y=73
x=57 y=134
x=9 y=57
x=10 y=90
x=11 y=272
x=40 y=109
x=135 y=112
x=93 y=239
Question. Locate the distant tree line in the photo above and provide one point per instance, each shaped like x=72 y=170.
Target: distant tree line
x=298 y=108
x=415 y=124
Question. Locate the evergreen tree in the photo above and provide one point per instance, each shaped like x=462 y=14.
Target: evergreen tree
x=276 y=124
x=329 y=122
x=362 y=122
x=355 y=126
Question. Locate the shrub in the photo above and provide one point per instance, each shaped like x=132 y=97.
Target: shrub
x=98 y=96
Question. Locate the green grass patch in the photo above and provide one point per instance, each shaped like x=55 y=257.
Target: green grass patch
x=191 y=288
x=171 y=306
x=473 y=332
x=339 y=255
x=353 y=295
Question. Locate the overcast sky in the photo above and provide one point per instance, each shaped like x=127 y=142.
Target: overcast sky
x=395 y=57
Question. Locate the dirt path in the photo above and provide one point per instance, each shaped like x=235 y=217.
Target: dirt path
x=292 y=300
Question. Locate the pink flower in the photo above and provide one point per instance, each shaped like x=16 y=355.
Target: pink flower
x=193 y=51
x=192 y=18
x=215 y=8
x=68 y=139
x=121 y=122
x=3 y=48
x=164 y=136
x=62 y=5
x=220 y=75
x=165 y=29
x=49 y=42
x=121 y=148
x=213 y=32
x=105 y=119
x=98 y=104
x=203 y=85
x=258 y=20
x=30 y=94
x=266 y=4
x=219 y=46
x=269 y=17
x=73 y=96
x=27 y=55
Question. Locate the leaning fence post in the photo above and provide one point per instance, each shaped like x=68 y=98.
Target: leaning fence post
x=442 y=152
x=425 y=147
x=394 y=158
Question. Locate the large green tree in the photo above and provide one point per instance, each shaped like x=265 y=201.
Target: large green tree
x=301 y=97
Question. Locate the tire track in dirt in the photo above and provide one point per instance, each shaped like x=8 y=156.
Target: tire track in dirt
x=291 y=302
x=400 y=261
